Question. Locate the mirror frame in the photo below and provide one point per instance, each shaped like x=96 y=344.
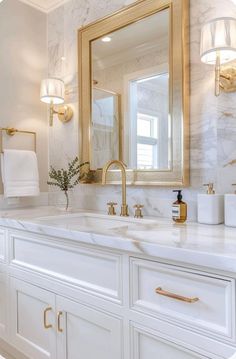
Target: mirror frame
x=178 y=175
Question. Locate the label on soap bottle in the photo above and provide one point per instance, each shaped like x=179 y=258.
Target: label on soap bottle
x=176 y=211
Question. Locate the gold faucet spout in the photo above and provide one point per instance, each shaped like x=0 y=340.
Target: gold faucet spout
x=121 y=165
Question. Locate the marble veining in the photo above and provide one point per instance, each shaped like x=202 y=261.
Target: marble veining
x=212 y=246
x=212 y=121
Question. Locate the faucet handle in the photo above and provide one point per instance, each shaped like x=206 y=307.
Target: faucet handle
x=111 y=208
x=138 y=211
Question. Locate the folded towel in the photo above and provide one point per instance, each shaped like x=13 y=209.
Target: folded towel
x=20 y=175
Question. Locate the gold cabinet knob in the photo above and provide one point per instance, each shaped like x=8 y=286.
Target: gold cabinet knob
x=111 y=208
x=138 y=211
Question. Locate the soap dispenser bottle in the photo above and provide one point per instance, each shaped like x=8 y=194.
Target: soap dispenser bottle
x=230 y=209
x=179 y=208
x=210 y=206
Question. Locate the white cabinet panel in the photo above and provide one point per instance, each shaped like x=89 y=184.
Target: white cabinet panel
x=212 y=298
x=148 y=345
x=28 y=317
x=2 y=245
x=3 y=304
x=92 y=270
x=87 y=333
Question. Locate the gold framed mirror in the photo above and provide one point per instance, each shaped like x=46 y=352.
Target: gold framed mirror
x=134 y=93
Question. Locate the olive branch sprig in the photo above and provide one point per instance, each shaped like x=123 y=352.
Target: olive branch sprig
x=67 y=179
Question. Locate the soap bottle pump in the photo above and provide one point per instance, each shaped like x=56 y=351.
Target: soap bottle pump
x=179 y=208
x=210 y=206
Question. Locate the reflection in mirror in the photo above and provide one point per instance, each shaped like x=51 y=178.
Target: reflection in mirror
x=133 y=62
x=105 y=129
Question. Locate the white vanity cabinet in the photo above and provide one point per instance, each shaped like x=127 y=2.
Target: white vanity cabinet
x=43 y=324
x=69 y=300
x=3 y=285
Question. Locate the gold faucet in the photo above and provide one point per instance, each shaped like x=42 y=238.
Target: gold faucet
x=124 y=207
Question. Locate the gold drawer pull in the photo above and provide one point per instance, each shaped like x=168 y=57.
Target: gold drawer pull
x=46 y=326
x=176 y=296
x=59 y=315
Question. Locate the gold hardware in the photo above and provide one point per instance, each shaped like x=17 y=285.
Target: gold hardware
x=46 y=326
x=120 y=164
x=231 y=163
x=12 y=132
x=210 y=188
x=59 y=315
x=64 y=113
x=217 y=75
x=228 y=78
x=111 y=208
x=160 y=291
x=138 y=211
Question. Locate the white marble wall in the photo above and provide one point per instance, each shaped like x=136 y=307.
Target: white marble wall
x=213 y=120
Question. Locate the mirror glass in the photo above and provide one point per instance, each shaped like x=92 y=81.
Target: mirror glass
x=130 y=95
x=105 y=129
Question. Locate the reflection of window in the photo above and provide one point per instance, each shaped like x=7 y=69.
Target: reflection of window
x=147 y=141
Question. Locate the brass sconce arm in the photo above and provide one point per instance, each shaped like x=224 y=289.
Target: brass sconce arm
x=64 y=113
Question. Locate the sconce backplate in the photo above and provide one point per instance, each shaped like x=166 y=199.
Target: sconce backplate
x=228 y=78
x=65 y=113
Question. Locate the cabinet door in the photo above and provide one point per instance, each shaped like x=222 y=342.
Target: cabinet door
x=148 y=345
x=3 y=305
x=32 y=328
x=86 y=333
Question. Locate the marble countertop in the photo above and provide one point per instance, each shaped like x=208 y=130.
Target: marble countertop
x=190 y=243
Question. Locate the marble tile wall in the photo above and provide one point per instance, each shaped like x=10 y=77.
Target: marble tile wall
x=212 y=121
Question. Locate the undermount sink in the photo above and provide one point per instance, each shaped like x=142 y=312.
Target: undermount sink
x=94 y=222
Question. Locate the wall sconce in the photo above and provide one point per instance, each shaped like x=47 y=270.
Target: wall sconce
x=53 y=92
x=218 y=46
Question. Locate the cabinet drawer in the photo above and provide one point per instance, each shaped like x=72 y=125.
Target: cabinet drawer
x=147 y=344
x=204 y=302
x=94 y=271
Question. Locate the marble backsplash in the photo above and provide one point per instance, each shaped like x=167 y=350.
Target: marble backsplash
x=212 y=120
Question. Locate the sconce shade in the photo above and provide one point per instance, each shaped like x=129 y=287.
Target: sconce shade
x=52 y=91
x=218 y=37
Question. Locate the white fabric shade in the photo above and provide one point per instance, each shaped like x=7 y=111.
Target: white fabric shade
x=52 y=91
x=218 y=36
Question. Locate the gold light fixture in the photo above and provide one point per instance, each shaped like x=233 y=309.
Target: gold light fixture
x=218 y=47
x=52 y=92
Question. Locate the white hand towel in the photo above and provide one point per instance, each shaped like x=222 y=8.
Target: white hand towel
x=233 y=357
x=20 y=174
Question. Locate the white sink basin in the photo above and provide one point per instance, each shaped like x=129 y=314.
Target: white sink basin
x=94 y=222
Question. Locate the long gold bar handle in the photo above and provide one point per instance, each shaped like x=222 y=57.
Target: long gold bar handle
x=160 y=291
x=46 y=326
x=59 y=315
